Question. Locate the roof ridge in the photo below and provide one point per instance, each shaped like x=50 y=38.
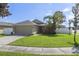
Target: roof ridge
x=26 y=22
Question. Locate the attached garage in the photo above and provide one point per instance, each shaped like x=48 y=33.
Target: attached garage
x=4 y=26
x=8 y=31
x=25 y=28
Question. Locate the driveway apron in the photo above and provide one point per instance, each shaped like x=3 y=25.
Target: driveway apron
x=8 y=39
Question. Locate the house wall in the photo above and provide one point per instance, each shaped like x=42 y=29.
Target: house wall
x=24 y=30
x=63 y=30
x=34 y=29
x=2 y=28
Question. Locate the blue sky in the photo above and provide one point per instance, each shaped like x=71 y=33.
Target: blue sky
x=30 y=11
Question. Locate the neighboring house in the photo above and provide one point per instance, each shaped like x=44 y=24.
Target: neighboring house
x=27 y=28
x=4 y=25
x=63 y=29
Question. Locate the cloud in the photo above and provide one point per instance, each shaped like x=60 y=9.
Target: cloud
x=70 y=16
x=49 y=13
x=66 y=10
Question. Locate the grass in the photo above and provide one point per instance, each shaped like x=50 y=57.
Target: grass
x=30 y=54
x=59 y=40
x=16 y=54
x=1 y=35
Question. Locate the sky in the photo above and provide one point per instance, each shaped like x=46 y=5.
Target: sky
x=29 y=11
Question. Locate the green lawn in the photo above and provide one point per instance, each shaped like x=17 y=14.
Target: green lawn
x=29 y=54
x=59 y=40
x=16 y=54
x=1 y=35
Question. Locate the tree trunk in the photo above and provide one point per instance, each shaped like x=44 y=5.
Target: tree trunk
x=69 y=30
x=75 y=36
x=54 y=27
x=75 y=27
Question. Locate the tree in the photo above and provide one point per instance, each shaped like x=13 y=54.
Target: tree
x=49 y=23
x=58 y=18
x=70 y=21
x=75 y=10
x=54 y=21
x=4 y=10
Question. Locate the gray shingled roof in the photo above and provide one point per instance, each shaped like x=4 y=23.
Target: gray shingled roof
x=27 y=22
x=38 y=21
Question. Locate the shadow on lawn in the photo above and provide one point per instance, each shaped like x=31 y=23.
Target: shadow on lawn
x=70 y=43
x=50 y=35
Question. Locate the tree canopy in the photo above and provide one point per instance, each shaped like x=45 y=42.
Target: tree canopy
x=4 y=10
x=55 y=20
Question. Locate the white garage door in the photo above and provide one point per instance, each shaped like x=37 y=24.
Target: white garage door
x=1 y=31
x=7 y=31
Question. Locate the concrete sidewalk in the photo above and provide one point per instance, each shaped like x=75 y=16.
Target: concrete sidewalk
x=8 y=39
x=36 y=50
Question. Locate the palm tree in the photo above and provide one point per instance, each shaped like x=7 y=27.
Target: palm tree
x=58 y=18
x=4 y=10
x=55 y=20
x=49 y=23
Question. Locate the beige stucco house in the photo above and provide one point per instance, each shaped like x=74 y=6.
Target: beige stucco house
x=25 y=28
x=22 y=28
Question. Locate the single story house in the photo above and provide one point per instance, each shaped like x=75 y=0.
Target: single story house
x=21 y=28
x=26 y=28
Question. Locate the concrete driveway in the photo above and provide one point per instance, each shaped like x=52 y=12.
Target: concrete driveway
x=8 y=39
